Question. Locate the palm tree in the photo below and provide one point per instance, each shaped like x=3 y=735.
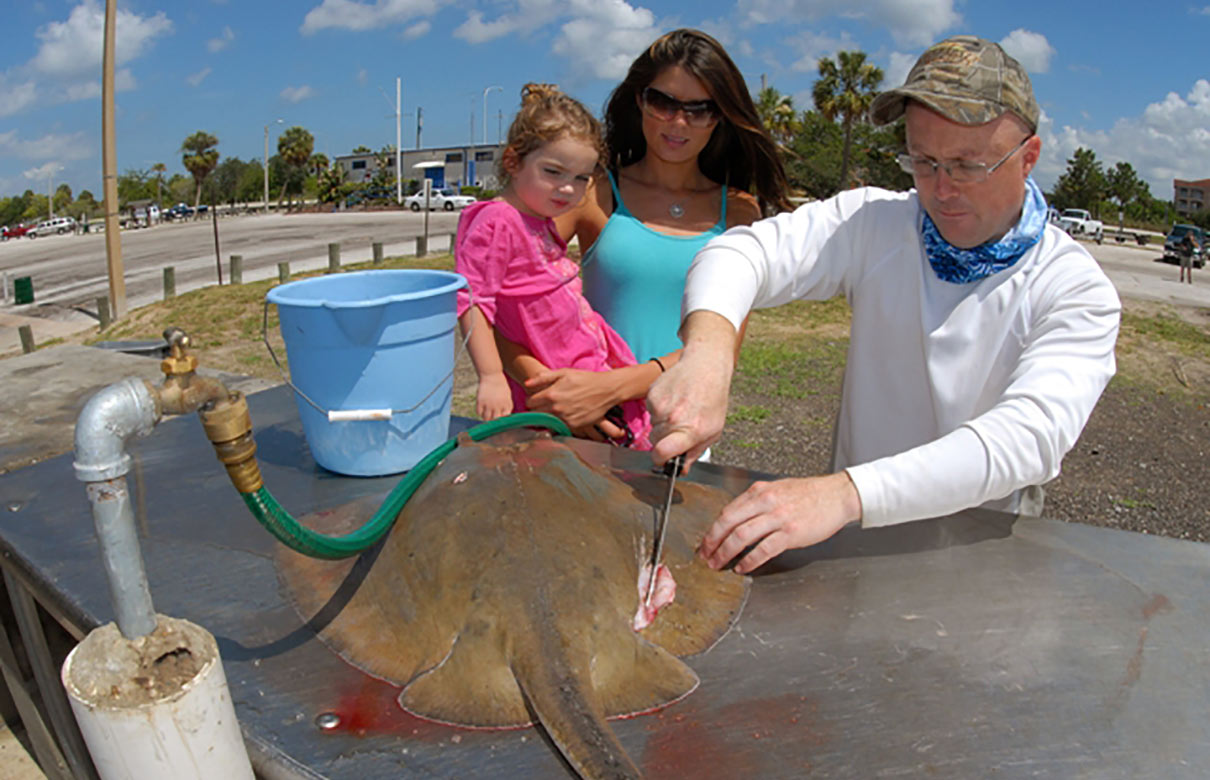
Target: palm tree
x=319 y=163
x=777 y=114
x=200 y=158
x=159 y=169
x=295 y=146
x=845 y=89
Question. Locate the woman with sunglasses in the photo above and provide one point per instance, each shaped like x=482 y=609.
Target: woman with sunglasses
x=686 y=149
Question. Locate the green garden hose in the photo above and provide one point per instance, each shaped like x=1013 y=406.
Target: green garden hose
x=299 y=538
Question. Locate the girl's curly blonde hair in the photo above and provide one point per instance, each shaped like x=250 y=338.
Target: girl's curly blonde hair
x=547 y=115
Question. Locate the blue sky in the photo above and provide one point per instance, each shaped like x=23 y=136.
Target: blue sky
x=1129 y=80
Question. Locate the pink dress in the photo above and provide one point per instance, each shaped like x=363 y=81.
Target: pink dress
x=522 y=280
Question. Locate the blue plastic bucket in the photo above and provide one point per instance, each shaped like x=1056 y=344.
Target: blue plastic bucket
x=371 y=340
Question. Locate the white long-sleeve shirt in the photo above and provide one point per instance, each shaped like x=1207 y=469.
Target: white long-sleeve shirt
x=955 y=395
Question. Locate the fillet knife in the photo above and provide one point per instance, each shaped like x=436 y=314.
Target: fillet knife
x=671 y=469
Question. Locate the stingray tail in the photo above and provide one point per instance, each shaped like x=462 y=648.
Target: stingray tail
x=562 y=700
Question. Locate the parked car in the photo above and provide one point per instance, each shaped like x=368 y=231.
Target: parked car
x=370 y=194
x=56 y=226
x=16 y=231
x=1172 y=242
x=446 y=198
x=178 y=211
x=1079 y=222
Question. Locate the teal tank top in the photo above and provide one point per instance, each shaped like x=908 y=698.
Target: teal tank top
x=635 y=277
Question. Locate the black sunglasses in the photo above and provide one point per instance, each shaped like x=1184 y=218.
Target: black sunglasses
x=662 y=106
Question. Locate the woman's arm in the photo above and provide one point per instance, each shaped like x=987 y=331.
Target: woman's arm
x=523 y=367
x=586 y=220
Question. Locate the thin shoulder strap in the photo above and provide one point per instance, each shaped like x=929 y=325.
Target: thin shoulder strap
x=618 y=205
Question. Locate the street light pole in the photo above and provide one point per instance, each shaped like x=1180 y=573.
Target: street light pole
x=266 y=166
x=485 y=91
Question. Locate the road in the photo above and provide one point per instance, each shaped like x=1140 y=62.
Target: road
x=71 y=271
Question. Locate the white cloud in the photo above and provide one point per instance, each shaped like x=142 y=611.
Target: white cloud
x=62 y=146
x=74 y=47
x=612 y=30
x=43 y=171
x=363 y=76
x=808 y=48
x=354 y=15
x=297 y=94
x=222 y=41
x=197 y=78
x=67 y=65
x=1167 y=141
x=18 y=94
x=911 y=22
x=1031 y=49
x=529 y=15
x=417 y=30
x=898 y=67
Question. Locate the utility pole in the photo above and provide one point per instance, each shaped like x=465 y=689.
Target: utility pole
x=419 y=124
x=398 y=141
x=109 y=167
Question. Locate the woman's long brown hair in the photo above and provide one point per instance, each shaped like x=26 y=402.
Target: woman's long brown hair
x=739 y=153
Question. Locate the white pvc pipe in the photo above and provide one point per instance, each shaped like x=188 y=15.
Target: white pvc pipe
x=140 y=713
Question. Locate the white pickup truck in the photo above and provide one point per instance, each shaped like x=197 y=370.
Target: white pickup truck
x=1078 y=222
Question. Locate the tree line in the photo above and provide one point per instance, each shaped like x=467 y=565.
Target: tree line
x=832 y=147
x=827 y=148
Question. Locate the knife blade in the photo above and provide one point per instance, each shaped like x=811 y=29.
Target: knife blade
x=671 y=469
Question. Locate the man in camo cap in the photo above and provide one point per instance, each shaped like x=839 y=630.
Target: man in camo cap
x=981 y=337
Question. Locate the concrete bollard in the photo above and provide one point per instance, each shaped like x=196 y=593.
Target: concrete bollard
x=103 y=311
x=169 y=282
x=4 y=285
x=422 y=246
x=27 y=338
x=237 y=269
x=453 y=239
x=283 y=272
x=377 y=247
x=334 y=257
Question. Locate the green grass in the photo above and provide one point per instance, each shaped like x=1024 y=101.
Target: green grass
x=1170 y=329
x=754 y=414
x=791 y=367
x=217 y=316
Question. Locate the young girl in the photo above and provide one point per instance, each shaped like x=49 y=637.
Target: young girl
x=521 y=283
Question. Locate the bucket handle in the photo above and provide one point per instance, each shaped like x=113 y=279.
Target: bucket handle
x=352 y=415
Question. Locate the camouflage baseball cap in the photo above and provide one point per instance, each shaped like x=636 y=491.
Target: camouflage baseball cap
x=965 y=79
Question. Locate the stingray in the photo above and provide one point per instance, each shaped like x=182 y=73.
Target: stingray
x=505 y=591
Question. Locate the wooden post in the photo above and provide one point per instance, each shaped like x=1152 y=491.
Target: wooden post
x=422 y=246
x=453 y=239
x=103 y=311
x=237 y=269
x=218 y=257
x=169 y=282
x=27 y=338
x=334 y=257
x=377 y=247
x=283 y=272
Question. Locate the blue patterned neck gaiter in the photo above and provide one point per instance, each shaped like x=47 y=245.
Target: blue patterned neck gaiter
x=959 y=266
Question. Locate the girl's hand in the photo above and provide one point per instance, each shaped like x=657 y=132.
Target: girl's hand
x=494 y=399
x=579 y=398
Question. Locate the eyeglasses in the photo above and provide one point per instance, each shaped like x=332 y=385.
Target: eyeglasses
x=698 y=113
x=960 y=171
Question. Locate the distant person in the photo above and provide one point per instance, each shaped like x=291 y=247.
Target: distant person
x=981 y=337
x=1186 y=252
x=522 y=284
x=688 y=157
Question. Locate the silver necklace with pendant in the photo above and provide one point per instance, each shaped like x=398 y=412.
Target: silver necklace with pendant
x=676 y=211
